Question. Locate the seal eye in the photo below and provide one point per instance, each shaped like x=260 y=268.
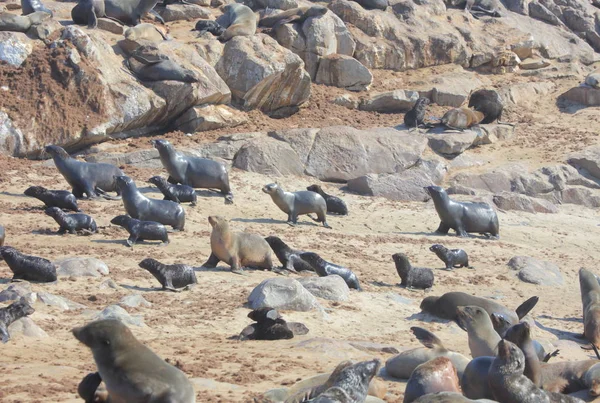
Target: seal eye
x=106 y=342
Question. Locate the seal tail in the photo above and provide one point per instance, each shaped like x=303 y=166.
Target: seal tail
x=526 y=307
x=426 y=338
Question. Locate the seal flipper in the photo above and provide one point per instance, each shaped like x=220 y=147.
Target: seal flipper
x=92 y=19
x=4 y=333
x=88 y=386
x=526 y=307
x=426 y=338
x=550 y=355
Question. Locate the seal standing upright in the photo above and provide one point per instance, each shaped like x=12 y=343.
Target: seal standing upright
x=142 y=230
x=130 y=370
x=289 y=258
x=412 y=277
x=488 y=102
x=415 y=117
x=170 y=276
x=193 y=171
x=483 y=339
x=335 y=205
x=463 y=217
x=28 y=268
x=437 y=375
x=324 y=268
x=298 y=203
x=53 y=198
x=8 y=315
x=590 y=298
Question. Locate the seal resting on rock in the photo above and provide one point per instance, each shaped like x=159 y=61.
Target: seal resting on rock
x=127 y=12
x=289 y=258
x=269 y=326
x=209 y=26
x=32 y=6
x=463 y=217
x=461 y=118
x=139 y=206
x=373 y=4
x=415 y=117
x=451 y=257
x=28 y=268
x=85 y=177
x=72 y=223
x=298 y=203
x=590 y=298
x=176 y=193
x=324 y=268
x=149 y=64
x=8 y=315
x=350 y=383
x=145 y=31
x=170 y=276
x=238 y=20
x=142 y=230
x=237 y=249
x=412 y=277
x=53 y=198
x=483 y=339
x=335 y=205
x=293 y=15
x=193 y=171
x=437 y=375
x=488 y=102
x=130 y=370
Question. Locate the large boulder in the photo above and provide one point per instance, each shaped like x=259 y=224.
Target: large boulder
x=209 y=117
x=389 y=102
x=588 y=160
x=15 y=291
x=185 y=12
x=332 y=288
x=515 y=201
x=59 y=302
x=26 y=327
x=268 y=156
x=282 y=293
x=344 y=72
x=81 y=267
x=452 y=142
x=118 y=313
x=584 y=95
x=536 y=271
x=15 y=47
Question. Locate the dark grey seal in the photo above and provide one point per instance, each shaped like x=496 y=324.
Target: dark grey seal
x=85 y=177
x=294 y=15
x=72 y=223
x=298 y=203
x=289 y=258
x=142 y=230
x=31 y=6
x=149 y=64
x=139 y=206
x=269 y=326
x=193 y=171
x=324 y=268
x=463 y=217
x=335 y=205
x=8 y=315
x=28 y=268
x=415 y=117
x=127 y=12
x=211 y=26
x=176 y=193
x=451 y=257
x=501 y=326
x=88 y=12
x=53 y=198
x=88 y=386
x=349 y=383
x=412 y=277
x=474 y=381
x=488 y=102
x=170 y=276
x=373 y=4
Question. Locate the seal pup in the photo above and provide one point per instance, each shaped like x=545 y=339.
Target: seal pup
x=269 y=326
x=463 y=217
x=415 y=117
x=289 y=258
x=11 y=313
x=335 y=205
x=483 y=339
x=28 y=268
x=238 y=20
x=412 y=277
x=488 y=102
x=149 y=64
x=324 y=268
x=142 y=230
x=170 y=276
x=130 y=370
x=237 y=249
x=32 y=6
x=572 y=376
x=193 y=171
x=53 y=198
x=72 y=223
x=139 y=206
x=350 y=383
x=85 y=177
x=437 y=375
x=461 y=118
x=176 y=193
x=209 y=26
x=451 y=257
x=593 y=79
x=520 y=334
x=298 y=203
x=590 y=298
x=293 y=15
x=147 y=31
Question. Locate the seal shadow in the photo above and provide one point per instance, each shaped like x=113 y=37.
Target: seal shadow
x=471 y=235
x=383 y=284
x=578 y=320
x=137 y=288
x=16 y=195
x=124 y=242
x=562 y=334
x=273 y=221
x=428 y=318
x=218 y=269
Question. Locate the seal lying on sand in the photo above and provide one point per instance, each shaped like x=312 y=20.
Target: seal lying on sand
x=483 y=339
x=298 y=203
x=176 y=193
x=8 y=315
x=170 y=276
x=415 y=117
x=463 y=217
x=270 y=326
x=451 y=257
x=28 y=268
x=289 y=258
x=142 y=230
x=72 y=223
x=350 y=383
x=293 y=15
x=590 y=298
x=335 y=205
x=412 y=277
x=238 y=20
x=53 y=198
x=130 y=370
x=572 y=376
x=324 y=268
x=437 y=375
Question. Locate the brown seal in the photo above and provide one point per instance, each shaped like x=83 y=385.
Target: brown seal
x=237 y=249
x=483 y=339
x=437 y=375
x=590 y=298
x=298 y=15
x=238 y=19
x=572 y=376
x=520 y=334
x=461 y=118
x=130 y=370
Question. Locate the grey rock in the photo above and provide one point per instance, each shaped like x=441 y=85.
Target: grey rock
x=536 y=271
x=452 y=142
x=344 y=72
x=282 y=293
x=301 y=140
x=185 y=12
x=109 y=25
x=59 y=302
x=389 y=102
x=407 y=185
x=346 y=100
x=26 y=327
x=143 y=158
x=584 y=95
x=81 y=267
x=209 y=117
x=109 y=283
x=116 y=312
x=588 y=160
x=15 y=291
x=332 y=288
x=15 y=47
x=134 y=301
x=268 y=156
x=515 y=201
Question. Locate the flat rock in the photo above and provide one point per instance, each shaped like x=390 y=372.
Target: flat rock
x=533 y=64
x=109 y=283
x=515 y=201
x=185 y=12
x=116 y=312
x=15 y=291
x=536 y=271
x=282 y=293
x=59 y=302
x=301 y=140
x=584 y=95
x=587 y=159
x=344 y=72
x=109 y=25
x=81 y=267
x=332 y=288
x=209 y=117
x=26 y=327
x=134 y=301
x=454 y=89
x=389 y=102
x=407 y=185
x=452 y=142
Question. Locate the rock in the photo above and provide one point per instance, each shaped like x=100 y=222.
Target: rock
x=282 y=293
x=491 y=133
x=185 y=12
x=81 y=267
x=301 y=140
x=536 y=271
x=525 y=94
x=452 y=142
x=584 y=95
x=268 y=156
x=15 y=291
x=454 y=89
x=116 y=312
x=524 y=49
x=588 y=160
x=209 y=117
x=406 y=186
x=346 y=100
x=15 y=47
x=109 y=25
x=59 y=302
x=537 y=10
x=26 y=327
x=389 y=102
x=581 y=196
x=344 y=72
x=134 y=301
x=532 y=64
x=515 y=201
x=143 y=158
x=332 y=288
x=108 y=283
x=45 y=29
x=226 y=147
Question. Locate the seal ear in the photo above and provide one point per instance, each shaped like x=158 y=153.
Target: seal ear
x=273 y=314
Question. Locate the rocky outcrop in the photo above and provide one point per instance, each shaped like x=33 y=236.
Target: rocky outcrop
x=332 y=288
x=389 y=102
x=268 y=156
x=587 y=160
x=344 y=72
x=535 y=271
x=15 y=47
x=452 y=142
x=583 y=95
x=519 y=202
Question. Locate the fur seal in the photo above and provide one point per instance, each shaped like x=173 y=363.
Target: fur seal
x=483 y=339
x=501 y=325
x=237 y=249
x=520 y=334
x=149 y=64
x=449 y=397
x=53 y=198
x=193 y=171
x=85 y=177
x=88 y=12
x=445 y=307
x=350 y=383
x=298 y=203
x=293 y=15
x=488 y=102
x=437 y=375
x=32 y=6
x=324 y=268
x=412 y=277
x=461 y=118
x=8 y=315
x=590 y=298
x=170 y=276
x=209 y=26
x=127 y=12
x=89 y=389
x=463 y=217
x=474 y=381
x=142 y=230
x=593 y=79
x=176 y=193
x=72 y=223
x=28 y=268
x=451 y=257
x=149 y=32
x=238 y=20
x=2 y=235
x=572 y=376
x=130 y=370
x=289 y=258
x=335 y=205
x=415 y=117
x=402 y=365
x=373 y=4
x=139 y=206
x=269 y=326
